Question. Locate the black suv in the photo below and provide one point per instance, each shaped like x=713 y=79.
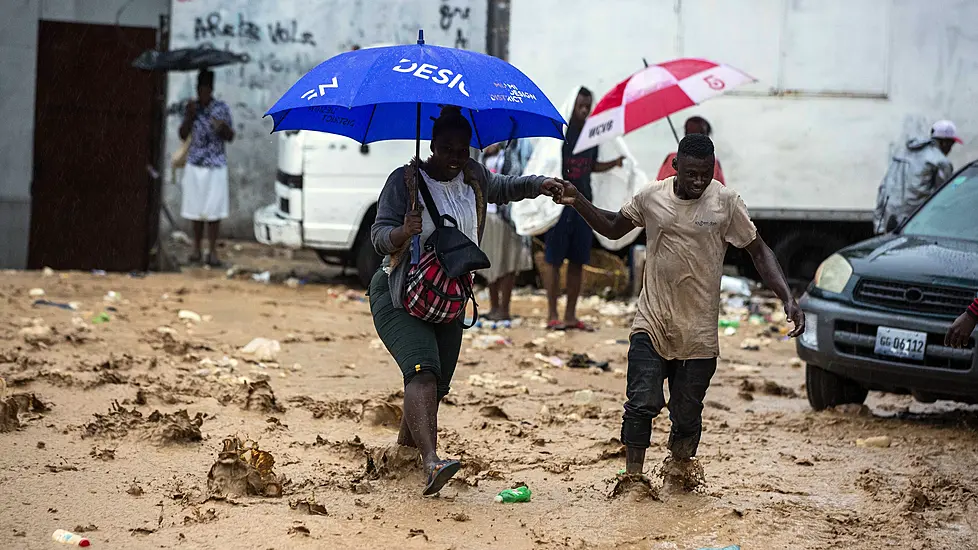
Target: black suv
x=877 y=311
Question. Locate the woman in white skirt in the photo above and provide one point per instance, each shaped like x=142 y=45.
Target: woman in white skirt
x=207 y=122
x=507 y=250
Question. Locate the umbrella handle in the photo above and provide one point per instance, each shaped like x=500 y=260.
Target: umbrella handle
x=416 y=240
x=415 y=250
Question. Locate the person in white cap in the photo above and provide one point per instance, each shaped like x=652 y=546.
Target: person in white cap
x=914 y=175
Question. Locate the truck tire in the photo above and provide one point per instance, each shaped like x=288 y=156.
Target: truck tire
x=367 y=260
x=800 y=251
x=826 y=389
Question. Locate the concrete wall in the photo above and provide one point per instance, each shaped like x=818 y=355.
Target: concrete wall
x=840 y=81
x=285 y=40
x=18 y=60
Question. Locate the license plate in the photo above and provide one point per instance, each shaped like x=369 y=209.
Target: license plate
x=895 y=342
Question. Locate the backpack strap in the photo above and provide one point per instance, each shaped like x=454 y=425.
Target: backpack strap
x=429 y=201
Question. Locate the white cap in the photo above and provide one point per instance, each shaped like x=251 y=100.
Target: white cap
x=945 y=129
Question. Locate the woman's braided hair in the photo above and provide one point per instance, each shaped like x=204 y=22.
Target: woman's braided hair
x=451 y=120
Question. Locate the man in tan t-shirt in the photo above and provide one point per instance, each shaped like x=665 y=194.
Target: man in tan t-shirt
x=689 y=220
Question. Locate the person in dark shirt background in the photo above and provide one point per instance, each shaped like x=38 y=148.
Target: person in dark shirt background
x=694 y=125
x=571 y=238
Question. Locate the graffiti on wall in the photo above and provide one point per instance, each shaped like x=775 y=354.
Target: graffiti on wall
x=282 y=42
x=279 y=32
x=448 y=14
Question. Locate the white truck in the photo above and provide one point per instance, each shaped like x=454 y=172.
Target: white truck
x=326 y=192
x=840 y=84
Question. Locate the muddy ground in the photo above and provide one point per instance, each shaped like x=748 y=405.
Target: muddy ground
x=132 y=413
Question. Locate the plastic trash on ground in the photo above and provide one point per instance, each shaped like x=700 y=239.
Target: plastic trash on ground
x=738 y=286
x=552 y=360
x=71 y=539
x=486 y=341
x=519 y=494
x=262 y=349
x=187 y=315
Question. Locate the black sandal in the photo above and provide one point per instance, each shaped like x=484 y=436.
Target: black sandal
x=443 y=471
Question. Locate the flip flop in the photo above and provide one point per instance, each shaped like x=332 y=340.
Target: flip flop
x=213 y=261
x=443 y=471
x=556 y=325
x=580 y=325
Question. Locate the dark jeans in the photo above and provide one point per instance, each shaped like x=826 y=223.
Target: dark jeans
x=417 y=346
x=688 y=381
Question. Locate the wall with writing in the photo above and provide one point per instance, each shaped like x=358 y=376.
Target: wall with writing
x=283 y=40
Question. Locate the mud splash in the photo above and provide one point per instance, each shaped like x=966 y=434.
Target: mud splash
x=243 y=469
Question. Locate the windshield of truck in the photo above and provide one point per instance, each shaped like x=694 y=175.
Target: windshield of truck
x=952 y=213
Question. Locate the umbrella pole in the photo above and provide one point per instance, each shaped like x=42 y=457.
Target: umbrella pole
x=673 y=128
x=671 y=125
x=416 y=240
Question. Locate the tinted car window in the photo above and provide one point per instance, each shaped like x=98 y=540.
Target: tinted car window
x=951 y=213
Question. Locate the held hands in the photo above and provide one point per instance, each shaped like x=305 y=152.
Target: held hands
x=960 y=331
x=561 y=191
x=619 y=162
x=796 y=316
x=553 y=188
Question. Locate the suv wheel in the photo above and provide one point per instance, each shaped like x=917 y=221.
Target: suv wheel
x=367 y=261
x=826 y=389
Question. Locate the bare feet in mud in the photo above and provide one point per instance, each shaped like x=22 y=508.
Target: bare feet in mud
x=638 y=487
x=682 y=475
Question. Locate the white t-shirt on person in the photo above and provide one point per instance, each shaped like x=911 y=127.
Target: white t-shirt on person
x=686 y=242
x=454 y=198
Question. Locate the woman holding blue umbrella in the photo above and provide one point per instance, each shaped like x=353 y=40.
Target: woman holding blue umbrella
x=418 y=298
x=427 y=352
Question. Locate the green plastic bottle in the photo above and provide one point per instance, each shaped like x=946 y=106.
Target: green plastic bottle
x=729 y=323
x=509 y=496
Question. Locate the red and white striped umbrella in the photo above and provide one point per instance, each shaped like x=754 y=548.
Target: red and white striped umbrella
x=656 y=92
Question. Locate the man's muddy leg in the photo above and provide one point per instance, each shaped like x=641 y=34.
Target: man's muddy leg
x=646 y=372
x=420 y=412
x=687 y=390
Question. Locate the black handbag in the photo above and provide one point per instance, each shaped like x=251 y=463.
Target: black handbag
x=457 y=253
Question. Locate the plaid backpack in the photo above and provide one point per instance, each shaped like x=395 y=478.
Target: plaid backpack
x=439 y=287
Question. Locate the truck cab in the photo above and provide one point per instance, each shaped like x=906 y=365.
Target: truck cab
x=326 y=191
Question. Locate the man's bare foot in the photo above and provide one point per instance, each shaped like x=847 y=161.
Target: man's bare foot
x=682 y=475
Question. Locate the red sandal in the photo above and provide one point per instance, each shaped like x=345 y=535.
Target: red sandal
x=580 y=325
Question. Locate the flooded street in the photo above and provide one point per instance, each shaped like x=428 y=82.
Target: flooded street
x=95 y=454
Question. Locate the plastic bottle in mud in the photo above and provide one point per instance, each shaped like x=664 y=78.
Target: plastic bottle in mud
x=509 y=496
x=71 y=539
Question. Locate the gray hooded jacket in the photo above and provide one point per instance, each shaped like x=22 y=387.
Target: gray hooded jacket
x=913 y=176
x=395 y=200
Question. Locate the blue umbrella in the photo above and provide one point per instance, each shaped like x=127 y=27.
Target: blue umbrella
x=396 y=92
x=376 y=94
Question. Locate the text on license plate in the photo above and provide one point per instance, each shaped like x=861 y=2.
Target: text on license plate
x=896 y=342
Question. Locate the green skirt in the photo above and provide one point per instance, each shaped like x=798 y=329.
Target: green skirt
x=417 y=346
